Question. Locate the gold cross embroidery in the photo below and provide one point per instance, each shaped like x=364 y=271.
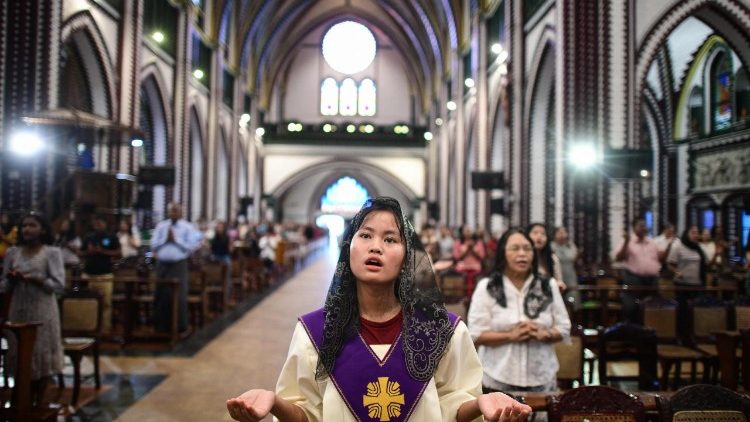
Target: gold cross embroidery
x=383 y=399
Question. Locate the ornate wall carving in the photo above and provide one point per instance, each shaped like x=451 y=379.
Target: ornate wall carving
x=721 y=170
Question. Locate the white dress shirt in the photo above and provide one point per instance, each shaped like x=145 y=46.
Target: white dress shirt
x=525 y=364
x=187 y=239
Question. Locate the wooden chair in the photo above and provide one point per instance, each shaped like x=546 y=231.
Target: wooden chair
x=237 y=279
x=704 y=403
x=661 y=315
x=745 y=360
x=741 y=311
x=197 y=297
x=729 y=345
x=708 y=315
x=601 y=307
x=629 y=342
x=570 y=356
x=257 y=274
x=215 y=274
x=595 y=403
x=81 y=322
x=453 y=286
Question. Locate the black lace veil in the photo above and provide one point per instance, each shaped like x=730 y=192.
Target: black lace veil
x=426 y=329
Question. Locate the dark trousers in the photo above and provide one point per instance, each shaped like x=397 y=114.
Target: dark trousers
x=683 y=312
x=163 y=295
x=630 y=304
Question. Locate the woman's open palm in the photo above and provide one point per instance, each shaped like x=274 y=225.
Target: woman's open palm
x=496 y=407
x=251 y=406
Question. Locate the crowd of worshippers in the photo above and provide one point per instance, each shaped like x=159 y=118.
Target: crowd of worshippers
x=381 y=303
x=692 y=260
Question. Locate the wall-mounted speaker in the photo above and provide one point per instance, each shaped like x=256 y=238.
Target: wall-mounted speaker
x=156 y=175
x=433 y=210
x=497 y=206
x=487 y=180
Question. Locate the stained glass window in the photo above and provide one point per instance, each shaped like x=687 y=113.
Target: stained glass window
x=345 y=196
x=348 y=98
x=721 y=91
x=329 y=97
x=708 y=219
x=367 y=98
x=745 y=229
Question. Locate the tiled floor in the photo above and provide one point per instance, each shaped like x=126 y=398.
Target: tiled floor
x=192 y=382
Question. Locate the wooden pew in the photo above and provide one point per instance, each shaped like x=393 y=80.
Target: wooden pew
x=21 y=408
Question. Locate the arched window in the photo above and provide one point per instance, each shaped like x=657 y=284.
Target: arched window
x=345 y=196
x=348 y=98
x=221 y=181
x=367 y=98
x=329 y=97
x=225 y=24
x=722 y=85
x=742 y=95
x=196 y=170
x=696 y=116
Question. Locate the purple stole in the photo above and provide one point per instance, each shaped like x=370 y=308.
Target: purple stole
x=371 y=388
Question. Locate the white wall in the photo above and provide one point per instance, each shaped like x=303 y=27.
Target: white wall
x=309 y=69
x=647 y=13
x=280 y=167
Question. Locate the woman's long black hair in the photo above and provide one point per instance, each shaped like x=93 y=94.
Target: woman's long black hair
x=697 y=248
x=545 y=255
x=416 y=290
x=540 y=292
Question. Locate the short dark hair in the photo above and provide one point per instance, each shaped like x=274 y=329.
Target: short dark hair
x=636 y=220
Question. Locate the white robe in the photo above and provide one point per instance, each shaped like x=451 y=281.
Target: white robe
x=458 y=379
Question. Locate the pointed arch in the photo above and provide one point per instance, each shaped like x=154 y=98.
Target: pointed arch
x=345 y=164
x=196 y=160
x=156 y=123
x=701 y=63
x=470 y=196
x=540 y=170
x=728 y=18
x=81 y=31
x=222 y=177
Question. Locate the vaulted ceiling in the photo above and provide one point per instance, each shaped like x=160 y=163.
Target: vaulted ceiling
x=267 y=32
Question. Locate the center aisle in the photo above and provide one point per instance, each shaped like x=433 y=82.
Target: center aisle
x=248 y=354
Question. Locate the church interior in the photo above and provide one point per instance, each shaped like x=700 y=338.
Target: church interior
x=264 y=125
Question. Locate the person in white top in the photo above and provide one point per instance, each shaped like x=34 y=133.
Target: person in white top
x=383 y=346
x=516 y=316
x=130 y=241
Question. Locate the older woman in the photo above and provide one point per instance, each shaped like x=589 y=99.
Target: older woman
x=516 y=316
x=383 y=342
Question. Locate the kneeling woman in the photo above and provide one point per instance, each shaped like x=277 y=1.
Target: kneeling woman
x=515 y=317
x=383 y=347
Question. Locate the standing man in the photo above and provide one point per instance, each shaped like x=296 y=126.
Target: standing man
x=99 y=248
x=642 y=261
x=172 y=243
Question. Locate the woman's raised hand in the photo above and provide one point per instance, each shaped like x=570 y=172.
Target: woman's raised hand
x=251 y=406
x=496 y=407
